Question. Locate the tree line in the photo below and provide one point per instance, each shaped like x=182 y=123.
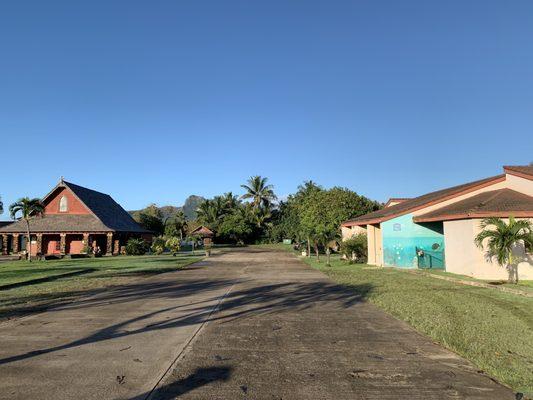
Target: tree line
x=311 y=216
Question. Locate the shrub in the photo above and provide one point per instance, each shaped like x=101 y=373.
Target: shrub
x=173 y=244
x=355 y=248
x=136 y=247
x=158 y=245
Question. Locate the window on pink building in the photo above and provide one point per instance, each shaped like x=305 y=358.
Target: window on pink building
x=63 y=204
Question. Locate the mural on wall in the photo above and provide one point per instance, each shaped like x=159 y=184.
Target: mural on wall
x=410 y=245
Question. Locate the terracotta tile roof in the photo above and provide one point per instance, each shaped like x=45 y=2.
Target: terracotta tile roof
x=421 y=202
x=496 y=203
x=525 y=171
x=202 y=231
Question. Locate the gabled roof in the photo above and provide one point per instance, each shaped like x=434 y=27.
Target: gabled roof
x=423 y=201
x=495 y=203
x=107 y=215
x=106 y=209
x=202 y=231
x=523 y=171
x=396 y=200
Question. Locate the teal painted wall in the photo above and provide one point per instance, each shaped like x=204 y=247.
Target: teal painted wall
x=401 y=237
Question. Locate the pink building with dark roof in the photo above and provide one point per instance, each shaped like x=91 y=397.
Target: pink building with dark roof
x=75 y=219
x=437 y=230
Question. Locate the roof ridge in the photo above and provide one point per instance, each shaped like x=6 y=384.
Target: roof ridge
x=85 y=188
x=67 y=184
x=422 y=201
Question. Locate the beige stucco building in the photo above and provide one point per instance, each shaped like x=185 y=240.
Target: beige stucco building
x=437 y=230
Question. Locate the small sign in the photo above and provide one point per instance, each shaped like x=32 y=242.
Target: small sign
x=397 y=227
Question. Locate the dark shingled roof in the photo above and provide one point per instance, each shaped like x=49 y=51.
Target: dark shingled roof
x=421 y=202
x=496 y=203
x=5 y=223
x=108 y=216
x=106 y=209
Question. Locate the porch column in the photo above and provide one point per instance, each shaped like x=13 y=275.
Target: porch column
x=5 y=250
x=109 y=247
x=15 y=243
x=63 y=243
x=39 y=249
x=86 y=245
x=116 y=247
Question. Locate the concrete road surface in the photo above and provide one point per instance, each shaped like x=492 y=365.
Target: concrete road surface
x=247 y=324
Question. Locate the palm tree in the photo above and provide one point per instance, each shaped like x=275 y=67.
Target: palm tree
x=206 y=213
x=258 y=190
x=502 y=238
x=261 y=215
x=28 y=208
x=231 y=202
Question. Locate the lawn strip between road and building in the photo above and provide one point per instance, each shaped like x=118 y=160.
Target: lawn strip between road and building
x=49 y=286
x=492 y=329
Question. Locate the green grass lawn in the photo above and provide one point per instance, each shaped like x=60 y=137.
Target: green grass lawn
x=106 y=272
x=491 y=328
x=526 y=286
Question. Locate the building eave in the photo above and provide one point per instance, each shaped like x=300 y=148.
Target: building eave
x=475 y=215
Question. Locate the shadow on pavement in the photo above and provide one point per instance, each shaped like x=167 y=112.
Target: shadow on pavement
x=248 y=301
x=200 y=377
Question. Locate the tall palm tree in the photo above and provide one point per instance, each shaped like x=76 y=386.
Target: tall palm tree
x=502 y=239
x=261 y=194
x=28 y=209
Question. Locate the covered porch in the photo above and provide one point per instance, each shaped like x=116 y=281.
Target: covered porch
x=65 y=243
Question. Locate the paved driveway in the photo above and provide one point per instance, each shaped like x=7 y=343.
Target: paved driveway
x=248 y=324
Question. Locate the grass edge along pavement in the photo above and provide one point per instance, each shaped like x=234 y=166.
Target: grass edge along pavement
x=490 y=328
x=106 y=272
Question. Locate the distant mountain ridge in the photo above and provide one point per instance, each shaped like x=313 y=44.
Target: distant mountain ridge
x=189 y=208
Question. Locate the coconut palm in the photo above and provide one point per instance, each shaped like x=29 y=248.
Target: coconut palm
x=231 y=202
x=28 y=209
x=206 y=213
x=261 y=216
x=502 y=238
x=261 y=194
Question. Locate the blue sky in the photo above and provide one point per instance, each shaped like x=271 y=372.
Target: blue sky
x=151 y=101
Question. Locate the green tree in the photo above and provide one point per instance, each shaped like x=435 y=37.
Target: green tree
x=27 y=209
x=500 y=238
x=238 y=227
x=323 y=211
x=151 y=218
x=261 y=194
x=231 y=201
x=176 y=225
